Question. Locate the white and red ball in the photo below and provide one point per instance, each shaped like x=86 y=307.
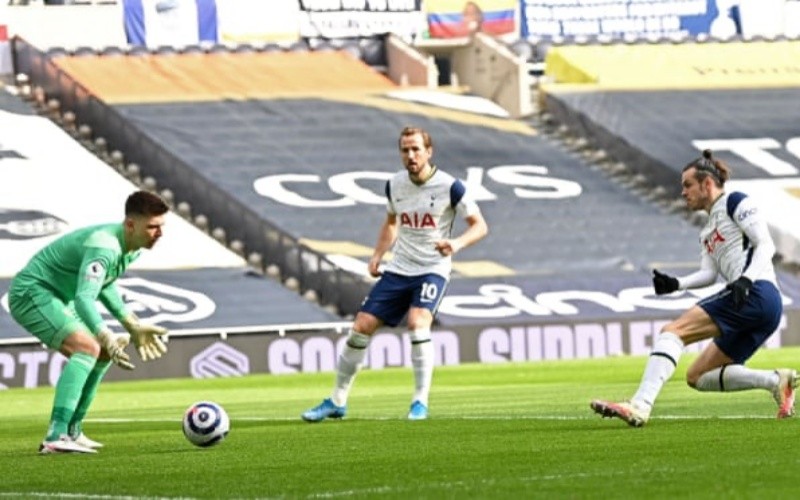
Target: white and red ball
x=205 y=424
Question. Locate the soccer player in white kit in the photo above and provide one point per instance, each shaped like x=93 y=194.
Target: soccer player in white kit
x=422 y=203
x=735 y=244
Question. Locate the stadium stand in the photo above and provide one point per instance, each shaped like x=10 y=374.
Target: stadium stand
x=254 y=128
x=208 y=287
x=739 y=99
x=281 y=152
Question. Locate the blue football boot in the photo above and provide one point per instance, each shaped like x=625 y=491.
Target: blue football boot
x=418 y=411
x=326 y=409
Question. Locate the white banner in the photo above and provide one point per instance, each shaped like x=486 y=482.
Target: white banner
x=170 y=22
x=258 y=21
x=46 y=191
x=360 y=18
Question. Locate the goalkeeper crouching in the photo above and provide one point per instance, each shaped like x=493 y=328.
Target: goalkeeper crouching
x=54 y=298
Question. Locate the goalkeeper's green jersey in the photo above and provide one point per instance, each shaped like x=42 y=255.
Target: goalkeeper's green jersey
x=81 y=267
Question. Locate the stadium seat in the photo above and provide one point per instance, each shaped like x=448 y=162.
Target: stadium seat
x=271 y=47
x=57 y=52
x=112 y=51
x=165 y=50
x=298 y=47
x=244 y=48
x=84 y=51
x=192 y=49
x=218 y=48
x=138 y=50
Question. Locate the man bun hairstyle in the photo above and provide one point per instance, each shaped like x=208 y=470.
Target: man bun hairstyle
x=145 y=203
x=708 y=166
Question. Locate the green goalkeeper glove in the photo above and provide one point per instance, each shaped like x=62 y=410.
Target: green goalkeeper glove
x=114 y=345
x=146 y=338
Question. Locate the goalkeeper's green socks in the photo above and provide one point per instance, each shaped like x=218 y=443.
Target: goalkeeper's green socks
x=87 y=396
x=68 y=393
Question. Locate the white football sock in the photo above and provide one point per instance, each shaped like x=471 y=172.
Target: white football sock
x=350 y=361
x=731 y=378
x=660 y=367
x=422 y=361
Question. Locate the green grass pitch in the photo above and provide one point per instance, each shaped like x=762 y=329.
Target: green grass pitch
x=496 y=431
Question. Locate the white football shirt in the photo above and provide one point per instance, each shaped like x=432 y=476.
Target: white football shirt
x=425 y=214
x=734 y=245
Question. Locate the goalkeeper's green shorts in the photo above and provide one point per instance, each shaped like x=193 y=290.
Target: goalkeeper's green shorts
x=44 y=315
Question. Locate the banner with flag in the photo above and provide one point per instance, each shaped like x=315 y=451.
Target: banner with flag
x=170 y=22
x=459 y=18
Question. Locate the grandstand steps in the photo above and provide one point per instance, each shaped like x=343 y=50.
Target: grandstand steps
x=566 y=227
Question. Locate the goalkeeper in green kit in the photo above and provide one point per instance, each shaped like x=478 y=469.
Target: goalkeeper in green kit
x=54 y=298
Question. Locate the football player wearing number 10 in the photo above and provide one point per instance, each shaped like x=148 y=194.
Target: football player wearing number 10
x=736 y=244
x=422 y=203
x=54 y=298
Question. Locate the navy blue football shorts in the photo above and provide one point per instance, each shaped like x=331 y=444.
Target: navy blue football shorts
x=393 y=294
x=745 y=330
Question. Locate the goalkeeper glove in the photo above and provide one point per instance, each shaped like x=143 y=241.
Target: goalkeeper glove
x=114 y=345
x=146 y=338
x=664 y=283
x=740 y=290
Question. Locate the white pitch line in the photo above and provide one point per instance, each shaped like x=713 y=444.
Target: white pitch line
x=44 y=494
x=553 y=418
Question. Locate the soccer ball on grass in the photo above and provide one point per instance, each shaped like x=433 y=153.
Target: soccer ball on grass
x=205 y=424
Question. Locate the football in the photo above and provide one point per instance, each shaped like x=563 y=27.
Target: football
x=205 y=424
